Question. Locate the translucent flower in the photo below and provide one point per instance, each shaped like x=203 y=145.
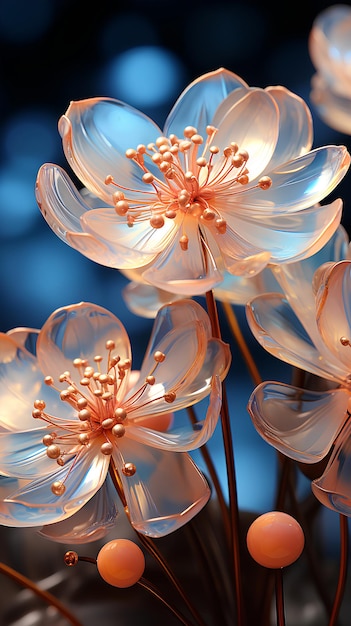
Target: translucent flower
x=75 y=423
x=230 y=184
x=330 y=51
x=311 y=424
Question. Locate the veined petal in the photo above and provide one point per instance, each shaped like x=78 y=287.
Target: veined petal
x=333 y=488
x=276 y=327
x=298 y=184
x=197 y=104
x=189 y=272
x=253 y=123
x=35 y=504
x=286 y=236
x=96 y=134
x=91 y=523
x=334 y=310
x=301 y=424
x=183 y=439
x=59 y=201
x=166 y=491
x=23 y=454
x=80 y=330
x=295 y=126
x=141 y=237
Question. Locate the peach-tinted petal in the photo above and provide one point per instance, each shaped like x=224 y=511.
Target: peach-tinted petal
x=280 y=332
x=197 y=104
x=96 y=134
x=333 y=488
x=91 y=523
x=299 y=423
x=166 y=491
x=79 y=331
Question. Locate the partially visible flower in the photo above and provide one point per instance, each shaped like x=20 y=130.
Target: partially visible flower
x=330 y=51
x=75 y=421
x=144 y=299
x=308 y=424
x=230 y=184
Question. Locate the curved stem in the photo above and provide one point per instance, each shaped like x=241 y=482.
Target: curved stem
x=153 y=590
x=44 y=595
x=344 y=541
x=235 y=328
x=231 y=474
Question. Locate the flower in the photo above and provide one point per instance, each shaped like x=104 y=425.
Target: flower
x=74 y=425
x=230 y=184
x=310 y=424
x=330 y=49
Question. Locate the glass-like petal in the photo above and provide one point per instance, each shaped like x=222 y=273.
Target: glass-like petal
x=295 y=126
x=96 y=134
x=23 y=454
x=141 y=237
x=189 y=272
x=80 y=330
x=91 y=523
x=279 y=331
x=285 y=237
x=197 y=104
x=35 y=504
x=333 y=488
x=298 y=184
x=299 y=423
x=183 y=439
x=59 y=200
x=253 y=123
x=241 y=289
x=333 y=108
x=166 y=491
x=334 y=310
x=145 y=300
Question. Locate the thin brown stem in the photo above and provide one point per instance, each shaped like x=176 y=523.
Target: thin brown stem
x=154 y=591
x=344 y=541
x=242 y=345
x=279 y=597
x=44 y=595
x=231 y=475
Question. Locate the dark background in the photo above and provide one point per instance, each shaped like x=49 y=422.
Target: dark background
x=55 y=51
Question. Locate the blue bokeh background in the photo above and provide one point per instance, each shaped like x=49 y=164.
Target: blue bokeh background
x=143 y=52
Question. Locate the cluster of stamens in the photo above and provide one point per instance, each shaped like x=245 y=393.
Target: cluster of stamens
x=188 y=181
x=101 y=413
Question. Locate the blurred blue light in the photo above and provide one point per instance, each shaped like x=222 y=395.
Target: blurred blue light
x=22 y=21
x=18 y=207
x=144 y=76
x=32 y=137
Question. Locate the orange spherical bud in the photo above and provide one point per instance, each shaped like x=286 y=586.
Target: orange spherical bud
x=121 y=563
x=275 y=540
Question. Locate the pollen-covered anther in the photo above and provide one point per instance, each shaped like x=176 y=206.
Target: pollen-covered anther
x=183 y=198
x=148 y=178
x=48 y=380
x=82 y=403
x=129 y=469
x=107 y=423
x=85 y=382
x=118 y=430
x=39 y=404
x=157 y=221
x=184 y=242
x=171 y=214
x=265 y=182
x=221 y=225
x=48 y=440
x=109 y=179
x=83 y=439
x=117 y=196
x=344 y=341
x=201 y=162
x=159 y=356
x=240 y=158
x=84 y=415
x=107 y=448
x=65 y=395
x=53 y=451
x=243 y=179
x=131 y=153
x=37 y=413
x=58 y=488
x=170 y=397
x=208 y=215
x=71 y=558
x=121 y=207
x=88 y=372
x=150 y=380
x=120 y=414
x=197 y=139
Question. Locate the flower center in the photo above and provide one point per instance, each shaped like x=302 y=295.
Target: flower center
x=187 y=177
x=102 y=416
